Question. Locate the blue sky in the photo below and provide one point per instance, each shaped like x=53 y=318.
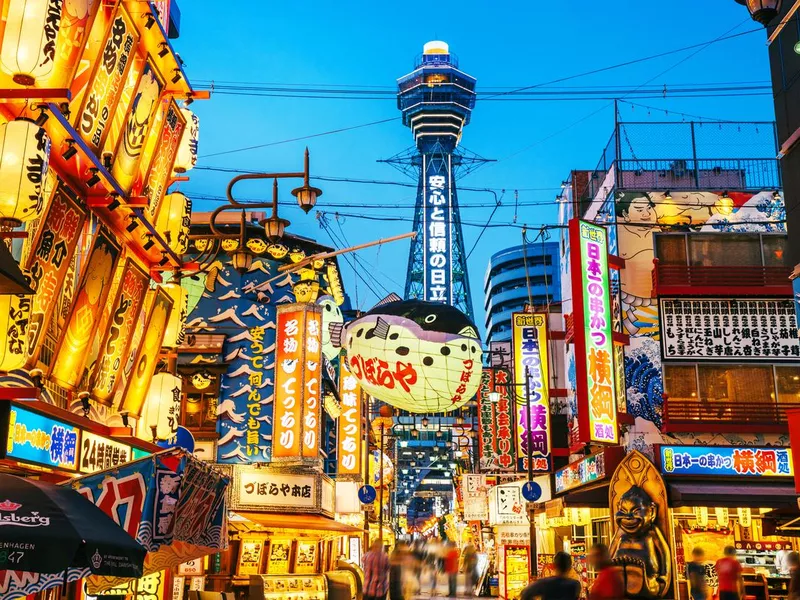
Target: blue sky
x=502 y=44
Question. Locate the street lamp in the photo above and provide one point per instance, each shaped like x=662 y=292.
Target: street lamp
x=306 y=195
x=762 y=11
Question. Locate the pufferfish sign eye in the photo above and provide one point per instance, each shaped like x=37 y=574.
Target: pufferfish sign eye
x=417 y=356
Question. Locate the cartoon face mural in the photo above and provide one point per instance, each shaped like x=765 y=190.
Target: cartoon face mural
x=417 y=356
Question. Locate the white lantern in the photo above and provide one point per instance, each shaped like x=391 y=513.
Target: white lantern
x=24 y=155
x=721 y=513
x=186 y=157
x=28 y=52
x=163 y=405
x=15 y=313
x=744 y=516
x=173 y=221
x=175 y=332
x=701 y=516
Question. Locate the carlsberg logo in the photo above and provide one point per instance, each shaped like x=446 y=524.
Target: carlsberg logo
x=32 y=520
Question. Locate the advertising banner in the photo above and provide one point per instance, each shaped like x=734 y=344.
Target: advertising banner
x=594 y=346
x=42 y=440
x=495 y=421
x=81 y=330
x=437 y=231
x=350 y=427
x=529 y=335
x=726 y=461
x=110 y=71
x=47 y=263
x=155 y=183
x=115 y=342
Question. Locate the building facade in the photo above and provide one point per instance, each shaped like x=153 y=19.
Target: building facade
x=507 y=280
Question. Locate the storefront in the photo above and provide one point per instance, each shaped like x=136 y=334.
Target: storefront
x=285 y=539
x=719 y=496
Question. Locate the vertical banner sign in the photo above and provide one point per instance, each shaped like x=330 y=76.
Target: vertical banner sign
x=298 y=361
x=73 y=31
x=114 y=345
x=145 y=364
x=349 y=427
x=594 y=346
x=436 y=225
x=529 y=334
x=255 y=381
x=90 y=299
x=155 y=183
x=49 y=260
x=793 y=417
x=495 y=421
x=109 y=75
x=140 y=118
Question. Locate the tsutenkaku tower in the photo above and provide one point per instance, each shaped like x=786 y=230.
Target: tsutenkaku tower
x=436 y=100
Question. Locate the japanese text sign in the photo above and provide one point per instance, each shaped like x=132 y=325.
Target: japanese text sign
x=529 y=335
x=437 y=230
x=594 y=346
x=298 y=380
x=155 y=184
x=42 y=440
x=495 y=421
x=350 y=425
x=99 y=453
x=588 y=469
x=726 y=461
x=50 y=259
x=260 y=488
x=254 y=400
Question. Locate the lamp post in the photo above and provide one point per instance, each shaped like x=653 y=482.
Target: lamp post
x=762 y=11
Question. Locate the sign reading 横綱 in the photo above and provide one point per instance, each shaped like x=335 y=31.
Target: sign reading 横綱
x=298 y=381
x=529 y=335
x=437 y=219
x=594 y=346
x=49 y=260
x=720 y=329
x=42 y=440
x=350 y=425
x=726 y=461
x=495 y=420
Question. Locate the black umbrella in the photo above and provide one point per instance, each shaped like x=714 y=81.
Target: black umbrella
x=47 y=528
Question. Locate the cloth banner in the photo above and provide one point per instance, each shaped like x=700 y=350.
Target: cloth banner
x=173 y=504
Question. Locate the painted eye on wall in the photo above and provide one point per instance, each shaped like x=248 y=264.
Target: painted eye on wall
x=430 y=318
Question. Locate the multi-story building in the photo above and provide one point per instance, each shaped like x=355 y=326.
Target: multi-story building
x=701 y=355
x=515 y=277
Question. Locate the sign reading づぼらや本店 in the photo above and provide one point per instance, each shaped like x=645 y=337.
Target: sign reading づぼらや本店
x=265 y=489
x=725 y=329
x=596 y=417
x=725 y=461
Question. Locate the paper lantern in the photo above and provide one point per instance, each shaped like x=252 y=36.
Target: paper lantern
x=744 y=516
x=418 y=356
x=375 y=469
x=163 y=405
x=175 y=332
x=306 y=288
x=29 y=42
x=15 y=314
x=186 y=157
x=24 y=155
x=173 y=221
x=701 y=516
x=721 y=514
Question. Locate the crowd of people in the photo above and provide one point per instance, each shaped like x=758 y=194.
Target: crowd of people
x=400 y=575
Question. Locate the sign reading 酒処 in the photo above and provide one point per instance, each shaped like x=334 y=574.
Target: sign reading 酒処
x=350 y=425
x=437 y=219
x=495 y=419
x=42 y=440
x=594 y=347
x=720 y=329
x=726 y=461
x=529 y=335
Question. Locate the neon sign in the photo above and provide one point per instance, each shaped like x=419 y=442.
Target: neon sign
x=726 y=461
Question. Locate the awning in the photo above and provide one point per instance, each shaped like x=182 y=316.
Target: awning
x=294 y=525
x=732 y=494
x=595 y=496
x=782 y=521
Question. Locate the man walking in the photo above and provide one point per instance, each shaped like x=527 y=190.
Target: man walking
x=376 y=572
x=729 y=575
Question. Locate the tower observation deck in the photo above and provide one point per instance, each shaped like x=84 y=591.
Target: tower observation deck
x=436 y=100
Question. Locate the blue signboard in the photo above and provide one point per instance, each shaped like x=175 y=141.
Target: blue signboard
x=726 y=461
x=437 y=217
x=42 y=440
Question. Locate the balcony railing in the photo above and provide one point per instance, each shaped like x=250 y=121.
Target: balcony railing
x=725 y=416
x=687 y=280
x=706 y=174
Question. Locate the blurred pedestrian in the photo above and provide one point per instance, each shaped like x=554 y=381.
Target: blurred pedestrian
x=470 y=560
x=558 y=587
x=376 y=572
x=793 y=564
x=696 y=575
x=729 y=575
x=608 y=583
x=397 y=563
x=451 y=568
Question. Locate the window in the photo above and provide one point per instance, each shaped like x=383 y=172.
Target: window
x=680 y=381
x=199 y=411
x=788 y=380
x=725 y=384
x=774 y=250
x=721 y=249
x=671 y=249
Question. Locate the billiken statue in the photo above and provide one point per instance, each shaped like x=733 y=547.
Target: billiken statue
x=639 y=547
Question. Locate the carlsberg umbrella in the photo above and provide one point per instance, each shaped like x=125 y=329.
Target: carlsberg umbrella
x=47 y=528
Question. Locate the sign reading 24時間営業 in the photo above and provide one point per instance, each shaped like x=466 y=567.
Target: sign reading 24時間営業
x=726 y=461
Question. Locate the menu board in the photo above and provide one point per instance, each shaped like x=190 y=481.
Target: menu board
x=279 y=551
x=306 y=559
x=515 y=571
x=250 y=552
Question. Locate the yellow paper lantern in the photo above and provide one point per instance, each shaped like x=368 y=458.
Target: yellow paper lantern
x=24 y=155
x=163 y=406
x=174 y=219
x=306 y=289
x=186 y=157
x=15 y=314
x=28 y=52
x=175 y=332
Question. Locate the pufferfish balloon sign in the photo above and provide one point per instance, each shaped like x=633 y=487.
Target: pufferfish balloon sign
x=417 y=356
